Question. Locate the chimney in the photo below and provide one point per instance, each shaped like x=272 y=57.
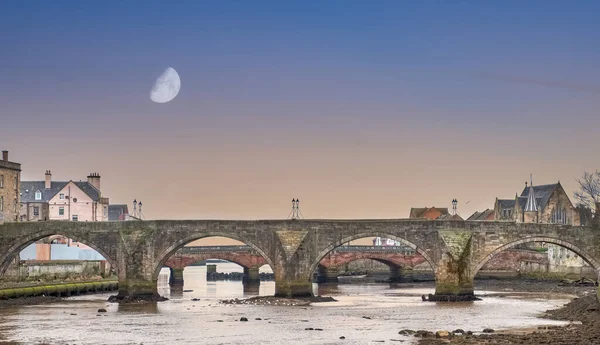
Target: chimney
x=5 y=156
x=94 y=180
x=48 y=183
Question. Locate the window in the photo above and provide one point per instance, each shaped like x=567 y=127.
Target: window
x=1 y=203
x=61 y=196
x=559 y=216
x=1 y=181
x=38 y=195
x=75 y=218
x=36 y=211
x=61 y=211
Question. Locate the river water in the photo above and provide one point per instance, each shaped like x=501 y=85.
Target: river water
x=363 y=314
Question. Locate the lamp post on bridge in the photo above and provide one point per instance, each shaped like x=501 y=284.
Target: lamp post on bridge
x=295 y=213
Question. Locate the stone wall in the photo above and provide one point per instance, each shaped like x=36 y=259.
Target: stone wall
x=52 y=270
x=516 y=260
x=365 y=265
x=559 y=199
x=10 y=180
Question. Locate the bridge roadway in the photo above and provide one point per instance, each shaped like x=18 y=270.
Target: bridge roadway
x=456 y=250
x=399 y=259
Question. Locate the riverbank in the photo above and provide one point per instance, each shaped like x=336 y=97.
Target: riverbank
x=584 y=311
x=48 y=293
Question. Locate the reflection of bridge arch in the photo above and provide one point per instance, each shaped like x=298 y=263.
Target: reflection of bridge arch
x=180 y=243
x=336 y=259
x=585 y=256
x=338 y=244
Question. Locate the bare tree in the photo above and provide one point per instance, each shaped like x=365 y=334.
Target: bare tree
x=589 y=190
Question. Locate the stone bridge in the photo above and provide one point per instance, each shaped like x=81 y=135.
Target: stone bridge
x=456 y=250
x=395 y=257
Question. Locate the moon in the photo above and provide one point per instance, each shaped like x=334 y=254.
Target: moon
x=166 y=87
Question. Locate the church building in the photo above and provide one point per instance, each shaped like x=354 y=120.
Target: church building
x=538 y=204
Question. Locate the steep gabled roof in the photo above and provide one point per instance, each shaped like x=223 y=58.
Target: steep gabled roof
x=426 y=212
x=506 y=203
x=484 y=215
x=542 y=193
x=449 y=216
x=29 y=188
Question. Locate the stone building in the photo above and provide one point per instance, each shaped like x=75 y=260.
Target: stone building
x=63 y=200
x=10 y=179
x=538 y=204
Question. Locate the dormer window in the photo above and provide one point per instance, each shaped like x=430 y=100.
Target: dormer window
x=38 y=195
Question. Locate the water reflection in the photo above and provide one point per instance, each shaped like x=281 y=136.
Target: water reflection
x=182 y=320
x=142 y=308
x=195 y=284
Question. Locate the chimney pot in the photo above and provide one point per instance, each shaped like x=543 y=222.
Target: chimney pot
x=5 y=156
x=94 y=180
x=48 y=183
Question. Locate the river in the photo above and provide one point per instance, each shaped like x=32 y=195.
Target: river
x=363 y=314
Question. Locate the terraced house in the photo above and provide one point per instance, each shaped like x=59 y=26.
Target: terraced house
x=10 y=178
x=63 y=200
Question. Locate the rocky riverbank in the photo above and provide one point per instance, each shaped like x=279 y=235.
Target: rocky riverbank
x=214 y=276
x=584 y=309
x=277 y=301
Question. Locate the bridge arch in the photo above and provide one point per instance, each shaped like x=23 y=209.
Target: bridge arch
x=190 y=259
x=25 y=241
x=170 y=250
x=390 y=259
x=336 y=244
x=585 y=256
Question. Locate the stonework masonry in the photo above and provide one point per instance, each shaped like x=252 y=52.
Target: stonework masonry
x=455 y=250
x=10 y=178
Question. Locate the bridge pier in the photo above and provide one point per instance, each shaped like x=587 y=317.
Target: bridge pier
x=327 y=274
x=176 y=277
x=252 y=275
x=453 y=279
x=136 y=289
x=251 y=288
x=292 y=280
x=289 y=288
x=395 y=274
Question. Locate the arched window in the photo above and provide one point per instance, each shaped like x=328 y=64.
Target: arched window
x=559 y=216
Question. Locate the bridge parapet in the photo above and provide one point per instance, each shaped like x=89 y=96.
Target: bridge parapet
x=212 y=249
x=342 y=249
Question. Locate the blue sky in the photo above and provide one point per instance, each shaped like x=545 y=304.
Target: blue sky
x=464 y=78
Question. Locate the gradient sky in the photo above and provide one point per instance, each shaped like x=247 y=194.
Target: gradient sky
x=362 y=109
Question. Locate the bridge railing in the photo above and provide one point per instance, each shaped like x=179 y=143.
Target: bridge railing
x=342 y=249
x=212 y=249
